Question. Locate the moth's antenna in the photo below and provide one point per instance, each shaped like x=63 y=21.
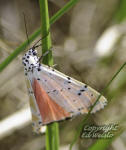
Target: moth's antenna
x=35 y=45
x=26 y=28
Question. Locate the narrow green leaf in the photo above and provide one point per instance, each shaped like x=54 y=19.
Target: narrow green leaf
x=52 y=131
x=45 y=31
x=121 y=12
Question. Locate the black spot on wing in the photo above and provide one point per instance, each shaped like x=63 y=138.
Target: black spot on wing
x=79 y=94
x=82 y=90
x=69 y=82
x=61 y=90
x=54 y=90
x=68 y=78
x=85 y=86
x=39 y=69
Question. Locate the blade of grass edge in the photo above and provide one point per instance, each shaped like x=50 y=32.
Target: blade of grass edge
x=120 y=14
x=53 y=19
x=79 y=129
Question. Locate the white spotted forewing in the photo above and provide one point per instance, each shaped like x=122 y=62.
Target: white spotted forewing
x=55 y=96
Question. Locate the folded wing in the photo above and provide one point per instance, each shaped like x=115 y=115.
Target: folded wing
x=59 y=96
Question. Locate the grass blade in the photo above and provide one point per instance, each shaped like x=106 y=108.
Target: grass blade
x=52 y=130
x=52 y=136
x=45 y=27
x=121 y=12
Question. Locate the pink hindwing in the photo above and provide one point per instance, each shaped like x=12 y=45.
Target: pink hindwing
x=55 y=96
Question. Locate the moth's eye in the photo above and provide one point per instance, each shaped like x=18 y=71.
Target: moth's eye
x=27 y=56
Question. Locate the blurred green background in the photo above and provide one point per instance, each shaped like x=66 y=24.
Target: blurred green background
x=89 y=44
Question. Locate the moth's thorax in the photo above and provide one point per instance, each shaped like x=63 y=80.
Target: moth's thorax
x=30 y=60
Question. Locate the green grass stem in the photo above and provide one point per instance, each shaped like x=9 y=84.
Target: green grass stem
x=52 y=130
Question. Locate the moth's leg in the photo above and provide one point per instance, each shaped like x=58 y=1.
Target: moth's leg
x=53 y=66
x=46 y=53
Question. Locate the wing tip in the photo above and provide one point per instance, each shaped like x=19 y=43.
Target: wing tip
x=102 y=102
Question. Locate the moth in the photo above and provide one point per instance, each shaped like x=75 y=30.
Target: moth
x=55 y=96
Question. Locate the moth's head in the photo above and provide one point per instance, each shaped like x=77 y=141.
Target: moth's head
x=30 y=60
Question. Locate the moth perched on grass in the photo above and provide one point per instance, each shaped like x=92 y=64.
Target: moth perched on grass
x=55 y=96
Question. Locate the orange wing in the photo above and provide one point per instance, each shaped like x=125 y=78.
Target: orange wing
x=50 y=111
